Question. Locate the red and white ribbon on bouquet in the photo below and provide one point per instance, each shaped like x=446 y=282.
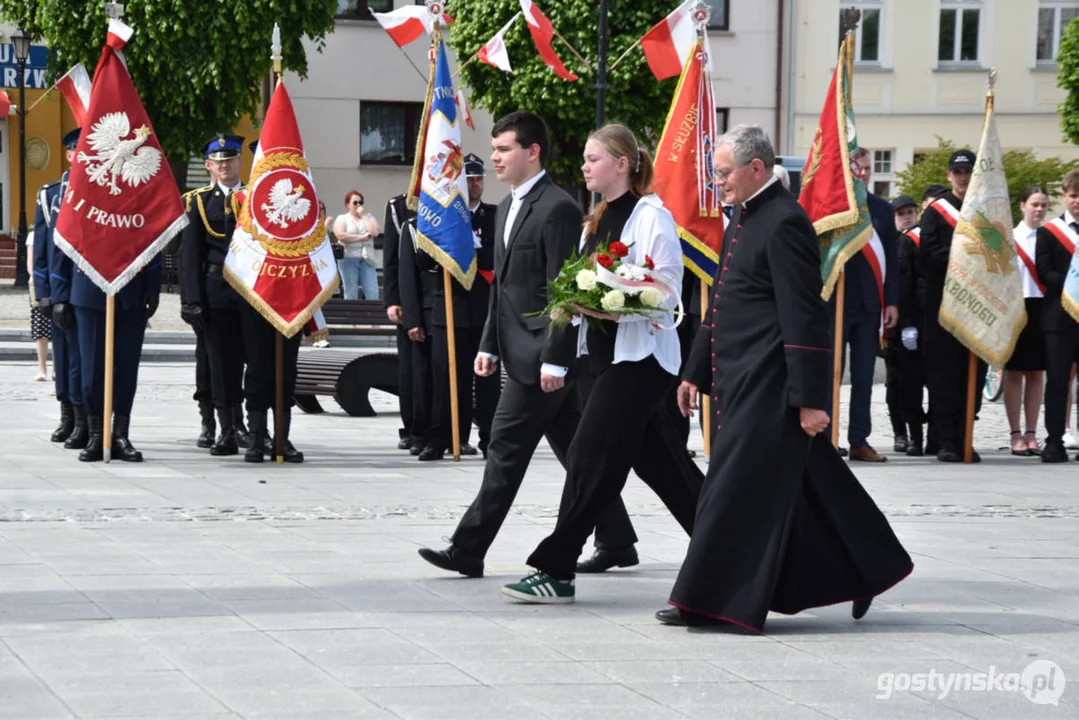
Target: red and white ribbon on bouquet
x=635 y=287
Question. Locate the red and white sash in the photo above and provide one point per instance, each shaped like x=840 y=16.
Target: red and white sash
x=1067 y=237
x=946 y=210
x=874 y=254
x=915 y=235
x=1031 y=267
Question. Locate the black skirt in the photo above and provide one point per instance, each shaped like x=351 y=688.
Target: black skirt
x=1029 y=355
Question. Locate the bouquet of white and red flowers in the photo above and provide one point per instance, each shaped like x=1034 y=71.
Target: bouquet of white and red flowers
x=605 y=285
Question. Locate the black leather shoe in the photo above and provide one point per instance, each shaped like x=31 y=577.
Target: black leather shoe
x=860 y=607
x=243 y=437
x=94 y=450
x=467 y=449
x=951 y=455
x=80 y=434
x=901 y=443
x=209 y=426
x=122 y=449
x=416 y=448
x=226 y=443
x=842 y=451
x=404 y=444
x=603 y=560
x=1054 y=452
x=431 y=453
x=681 y=618
x=67 y=423
x=915 y=450
x=455 y=560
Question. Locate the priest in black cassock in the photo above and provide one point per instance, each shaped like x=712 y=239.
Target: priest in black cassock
x=782 y=524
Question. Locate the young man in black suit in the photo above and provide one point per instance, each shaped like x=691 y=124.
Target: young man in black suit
x=536 y=229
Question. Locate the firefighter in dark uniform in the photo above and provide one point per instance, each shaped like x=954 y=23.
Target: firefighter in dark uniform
x=73 y=430
x=946 y=359
x=419 y=277
x=397 y=213
x=208 y=302
x=202 y=396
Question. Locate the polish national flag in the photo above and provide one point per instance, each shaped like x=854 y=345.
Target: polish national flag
x=494 y=53
x=407 y=23
x=667 y=45
x=542 y=35
x=75 y=87
x=459 y=99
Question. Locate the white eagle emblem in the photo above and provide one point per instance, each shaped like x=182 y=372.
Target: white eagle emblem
x=115 y=157
x=286 y=204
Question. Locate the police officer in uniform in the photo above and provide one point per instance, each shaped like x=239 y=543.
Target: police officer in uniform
x=73 y=430
x=946 y=359
x=397 y=214
x=208 y=302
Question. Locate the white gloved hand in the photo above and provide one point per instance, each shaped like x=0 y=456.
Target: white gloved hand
x=910 y=338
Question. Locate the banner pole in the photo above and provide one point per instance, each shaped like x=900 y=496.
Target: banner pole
x=706 y=396
x=451 y=349
x=279 y=397
x=968 y=439
x=110 y=359
x=837 y=356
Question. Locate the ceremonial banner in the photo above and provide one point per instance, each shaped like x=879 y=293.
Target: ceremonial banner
x=443 y=222
x=684 y=177
x=1070 y=297
x=832 y=195
x=280 y=259
x=983 y=302
x=122 y=205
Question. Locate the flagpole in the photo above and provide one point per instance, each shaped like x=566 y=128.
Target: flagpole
x=44 y=95
x=837 y=356
x=573 y=50
x=466 y=64
x=706 y=396
x=279 y=339
x=972 y=360
x=110 y=357
x=625 y=54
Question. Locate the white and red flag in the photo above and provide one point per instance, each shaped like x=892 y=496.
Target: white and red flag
x=407 y=23
x=667 y=45
x=494 y=51
x=280 y=259
x=75 y=87
x=461 y=102
x=122 y=205
x=543 y=34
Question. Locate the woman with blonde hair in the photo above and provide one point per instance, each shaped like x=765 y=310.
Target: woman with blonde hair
x=634 y=363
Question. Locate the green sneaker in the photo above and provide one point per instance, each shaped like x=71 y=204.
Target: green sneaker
x=542 y=589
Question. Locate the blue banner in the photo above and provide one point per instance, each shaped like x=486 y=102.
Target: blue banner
x=444 y=222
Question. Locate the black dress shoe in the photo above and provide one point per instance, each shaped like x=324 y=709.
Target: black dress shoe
x=603 y=560
x=431 y=453
x=951 y=455
x=416 y=448
x=842 y=451
x=1054 y=452
x=681 y=618
x=404 y=444
x=467 y=449
x=860 y=607
x=915 y=450
x=455 y=560
x=901 y=443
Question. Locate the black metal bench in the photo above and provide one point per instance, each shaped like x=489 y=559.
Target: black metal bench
x=348 y=375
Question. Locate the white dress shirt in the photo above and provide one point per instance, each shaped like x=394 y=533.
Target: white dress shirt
x=1026 y=237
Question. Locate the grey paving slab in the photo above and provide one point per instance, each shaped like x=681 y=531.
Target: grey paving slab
x=192 y=587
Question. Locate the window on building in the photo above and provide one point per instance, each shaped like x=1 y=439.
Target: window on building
x=883 y=177
x=1053 y=19
x=723 y=116
x=867 y=38
x=362 y=9
x=719 y=19
x=882 y=162
x=388 y=132
x=960 y=28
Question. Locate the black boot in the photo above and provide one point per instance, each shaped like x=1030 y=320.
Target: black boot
x=291 y=454
x=932 y=439
x=67 y=423
x=914 y=449
x=80 y=434
x=122 y=449
x=243 y=438
x=226 y=441
x=209 y=427
x=253 y=454
x=94 y=451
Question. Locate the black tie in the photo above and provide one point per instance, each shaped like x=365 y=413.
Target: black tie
x=1074 y=225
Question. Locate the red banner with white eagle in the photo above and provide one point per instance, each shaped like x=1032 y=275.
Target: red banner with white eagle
x=122 y=205
x=280 y=258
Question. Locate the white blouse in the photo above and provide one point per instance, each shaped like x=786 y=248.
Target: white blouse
x=1027 y=238
x=650 y=231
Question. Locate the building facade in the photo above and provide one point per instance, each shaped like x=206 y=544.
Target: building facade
x=920 y=72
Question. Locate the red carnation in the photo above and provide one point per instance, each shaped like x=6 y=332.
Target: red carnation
x=618 y=249
x=649 y=278
x=605 y=260
x=649 y=263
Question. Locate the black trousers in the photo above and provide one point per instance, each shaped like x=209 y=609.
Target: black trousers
x=466 y=345
x=525 y=414
x=404 y=382
x=202 y=370
x=422 y=391
x=226 y=346
x=947 y=361
x=129 y=331
x=1061 y=350
x=614 y=529
x=259 y=343
x=892 y=393
x=624 y=426
x=486 y=392
x=911 y=372
x=67 y=365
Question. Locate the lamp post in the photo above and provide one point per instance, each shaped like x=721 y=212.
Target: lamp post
x=20 y=44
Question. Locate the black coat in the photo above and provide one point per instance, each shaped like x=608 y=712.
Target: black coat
x=204 y=244
x=1052 y=260
x=544 y=235
x=911 y=285
x=933 y=255
x=396 y=215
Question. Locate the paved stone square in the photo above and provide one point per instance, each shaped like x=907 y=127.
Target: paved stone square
x=196 y=587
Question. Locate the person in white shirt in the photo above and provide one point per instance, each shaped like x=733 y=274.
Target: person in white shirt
x=1024 y=378
x=355 y=231
x=635 y=360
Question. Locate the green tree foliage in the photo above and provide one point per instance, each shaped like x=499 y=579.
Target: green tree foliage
x=1022 y=168
x=634 y=97
x=198 y=66
x=1068 y=79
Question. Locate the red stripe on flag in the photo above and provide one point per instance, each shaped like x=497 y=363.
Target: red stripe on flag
x=660 y=51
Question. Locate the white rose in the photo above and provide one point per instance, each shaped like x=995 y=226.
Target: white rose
x=651 y=297
x=637 y=272
x=614 y=300
x=586 y=279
